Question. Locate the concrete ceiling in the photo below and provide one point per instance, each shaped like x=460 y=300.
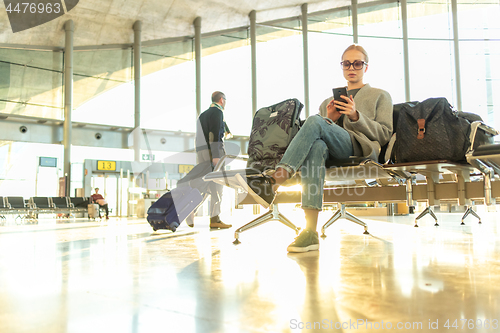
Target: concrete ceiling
x=99 y=22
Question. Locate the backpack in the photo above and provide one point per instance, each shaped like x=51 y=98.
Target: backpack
x=431 y=130
x=273 y=129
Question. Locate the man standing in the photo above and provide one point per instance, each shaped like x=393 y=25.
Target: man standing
x=210 y=132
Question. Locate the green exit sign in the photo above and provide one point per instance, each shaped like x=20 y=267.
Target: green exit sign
x=148 y=157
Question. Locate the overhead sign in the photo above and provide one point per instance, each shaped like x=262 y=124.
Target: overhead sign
x=148 y=157
x=106 y=165
x=48 y=162
x=185 y=168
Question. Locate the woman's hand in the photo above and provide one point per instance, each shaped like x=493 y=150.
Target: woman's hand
x=348 y=108
x=332 y=111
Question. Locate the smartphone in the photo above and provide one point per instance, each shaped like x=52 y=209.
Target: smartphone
x=337 y=92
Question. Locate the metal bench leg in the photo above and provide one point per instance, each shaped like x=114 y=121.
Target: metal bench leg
x=470 y=211
x=354 y=219
x=428 y=210
x=335 y=217
x=272 y=214
x=342 y=213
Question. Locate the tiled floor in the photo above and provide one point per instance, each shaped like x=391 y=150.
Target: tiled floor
x=119 y=276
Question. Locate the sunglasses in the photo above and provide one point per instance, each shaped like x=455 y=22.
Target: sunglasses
x=357 y=64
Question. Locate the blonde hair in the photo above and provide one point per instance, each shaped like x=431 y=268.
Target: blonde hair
x=357 y=48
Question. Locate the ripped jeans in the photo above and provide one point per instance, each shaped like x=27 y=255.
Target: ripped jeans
x=317 y=140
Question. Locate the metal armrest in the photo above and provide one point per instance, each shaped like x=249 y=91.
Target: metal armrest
x=479 y=125
x=487 y=129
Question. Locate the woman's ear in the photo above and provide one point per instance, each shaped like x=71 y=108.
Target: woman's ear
x=366 y=67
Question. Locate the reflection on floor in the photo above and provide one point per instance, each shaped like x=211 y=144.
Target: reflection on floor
x=119 y=276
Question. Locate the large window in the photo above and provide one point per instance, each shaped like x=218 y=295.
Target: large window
x=380 y=33
x=168 y=95
x=479 y=33
x=431 y=51
x=226 y=67
x=103 y=91
x=280 y=73
x=328 y=36
x=20 y=173
x=31 y=83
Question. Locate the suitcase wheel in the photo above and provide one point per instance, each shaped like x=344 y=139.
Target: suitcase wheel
x=174 y=226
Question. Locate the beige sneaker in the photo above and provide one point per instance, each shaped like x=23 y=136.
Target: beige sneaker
x=215 y=223
x=220 y=225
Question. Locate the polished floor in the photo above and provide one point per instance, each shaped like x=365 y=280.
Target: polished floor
x=119 y=276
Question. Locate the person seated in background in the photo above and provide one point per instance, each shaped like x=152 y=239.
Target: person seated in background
x=99 y=199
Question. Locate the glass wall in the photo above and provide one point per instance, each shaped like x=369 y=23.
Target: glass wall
x=280 y=73
x=479 y=34
x=226 y=66
x=380 y=33
x=329 y=35
x=31 y=83
x=431 y=52
x=168 y=87
x=103 y=91
x=20 y=173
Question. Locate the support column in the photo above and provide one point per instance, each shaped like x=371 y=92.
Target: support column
x=197 y=54
x=456 y=45
x=137 y=92
x=354 y=5
x=305 y=48
x=253 y=43
x=69 y=28
x=406 y=57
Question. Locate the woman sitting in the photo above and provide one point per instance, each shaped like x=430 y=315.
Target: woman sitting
x=359 y=125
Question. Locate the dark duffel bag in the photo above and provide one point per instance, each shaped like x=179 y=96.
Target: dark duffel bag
x=481 y=137
x=431 y=130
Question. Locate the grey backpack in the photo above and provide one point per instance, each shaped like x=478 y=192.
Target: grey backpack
x=273 y=129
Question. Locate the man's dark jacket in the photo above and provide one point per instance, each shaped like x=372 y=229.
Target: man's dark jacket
x=210 y=132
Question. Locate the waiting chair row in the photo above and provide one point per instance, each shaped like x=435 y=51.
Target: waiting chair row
x=372 y=181
x=35 y=205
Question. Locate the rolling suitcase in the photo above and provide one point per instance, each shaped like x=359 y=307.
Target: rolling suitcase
x=173 y=207
x=93 y=211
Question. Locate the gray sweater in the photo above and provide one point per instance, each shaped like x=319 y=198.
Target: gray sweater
x=374 y=126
